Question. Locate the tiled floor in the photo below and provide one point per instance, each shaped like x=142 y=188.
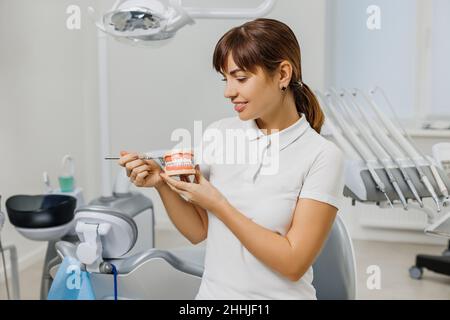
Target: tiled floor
x=393 y=259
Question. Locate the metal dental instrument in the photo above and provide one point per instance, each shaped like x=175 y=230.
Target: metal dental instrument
x=2 y=220
x=389 y=146
x=437 y=177
x=373 y=144
x=407 y=147
x=365 y=153
x=142 y=157
x=336 y=133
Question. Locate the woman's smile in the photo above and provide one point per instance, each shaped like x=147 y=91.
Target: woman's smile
x=239 y=107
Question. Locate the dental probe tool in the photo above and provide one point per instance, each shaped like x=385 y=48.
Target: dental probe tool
x=390 y=147
x=407 y=147
x=373 y=144
x=437 y=177
x=439 y=181
x=365 y=153
x=142 y=157
x=335 y=132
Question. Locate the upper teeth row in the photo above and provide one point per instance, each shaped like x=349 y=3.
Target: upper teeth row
x=182 y=163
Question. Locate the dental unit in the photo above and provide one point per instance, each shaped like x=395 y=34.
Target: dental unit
x=389 y=146
x=373 y=144
x=441 y=185
x=408 y=148
x=365 y=153
x=393 y=164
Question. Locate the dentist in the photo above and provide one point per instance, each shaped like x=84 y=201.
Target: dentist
x=263 y=231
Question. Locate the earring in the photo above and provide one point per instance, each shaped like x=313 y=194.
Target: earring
x=283 y=89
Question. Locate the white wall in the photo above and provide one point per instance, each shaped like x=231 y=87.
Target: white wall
x=440 y=63
x=387 y=57
x=48 y=92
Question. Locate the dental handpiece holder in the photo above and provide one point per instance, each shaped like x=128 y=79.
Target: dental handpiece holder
x=360 y=187
x=103 y=236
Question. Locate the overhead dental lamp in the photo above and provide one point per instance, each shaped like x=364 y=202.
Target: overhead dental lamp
x=141 y=21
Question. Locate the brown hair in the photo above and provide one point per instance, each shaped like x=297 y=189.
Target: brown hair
x=266 y=43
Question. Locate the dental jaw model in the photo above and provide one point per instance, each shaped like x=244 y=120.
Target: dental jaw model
x=179 y=162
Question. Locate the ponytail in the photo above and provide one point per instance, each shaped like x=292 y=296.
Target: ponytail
x=307 y=103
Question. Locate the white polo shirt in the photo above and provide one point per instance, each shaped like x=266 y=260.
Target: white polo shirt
x=308 y=166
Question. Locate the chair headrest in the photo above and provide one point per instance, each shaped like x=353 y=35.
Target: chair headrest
x=123 y=230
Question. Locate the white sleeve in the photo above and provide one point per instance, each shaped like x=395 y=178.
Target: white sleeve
x=204 y=153
x=325 y=180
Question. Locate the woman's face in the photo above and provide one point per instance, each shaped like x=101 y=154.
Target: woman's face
x=252 y=95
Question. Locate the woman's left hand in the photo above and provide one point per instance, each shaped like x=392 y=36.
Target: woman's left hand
x=201 y=193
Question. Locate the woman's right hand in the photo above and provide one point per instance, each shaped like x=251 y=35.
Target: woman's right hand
x=142 y=173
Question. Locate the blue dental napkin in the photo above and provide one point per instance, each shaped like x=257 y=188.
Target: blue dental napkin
x=71 y=282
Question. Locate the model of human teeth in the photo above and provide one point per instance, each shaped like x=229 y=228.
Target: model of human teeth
x=179 y=162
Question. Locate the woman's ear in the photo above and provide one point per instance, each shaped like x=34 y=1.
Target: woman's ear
x=285 y=73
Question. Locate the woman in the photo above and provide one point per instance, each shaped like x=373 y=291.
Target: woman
x=263 y=231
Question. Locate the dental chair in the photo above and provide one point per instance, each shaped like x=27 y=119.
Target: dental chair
x=335 y=267
x=176 y=273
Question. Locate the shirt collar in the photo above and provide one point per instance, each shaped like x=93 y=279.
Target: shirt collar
x=286 y=136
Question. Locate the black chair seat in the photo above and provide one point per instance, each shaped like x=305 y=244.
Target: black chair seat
x=40 y=211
